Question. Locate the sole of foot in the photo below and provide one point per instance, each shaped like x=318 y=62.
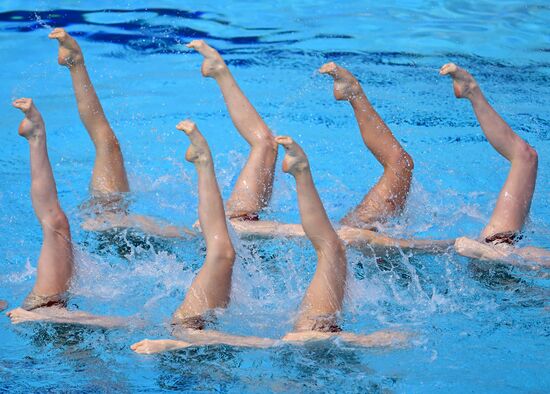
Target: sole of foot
x=69 y=53
x=198 y=152
x=295 y=159
x=346 y=86
x=213 y=64
x=464 y=84
x=32 y=126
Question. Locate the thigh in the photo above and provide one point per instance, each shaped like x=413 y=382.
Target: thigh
x=55 y=264
x=385 y=199
x=254 y=185
x=514 y=200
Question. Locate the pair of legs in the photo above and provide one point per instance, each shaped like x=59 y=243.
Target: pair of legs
x=109 y=180
x=388 y=196
x=253 y=187
x=515 y=197
x=323 y=300
x=211 y=287
x=55 y=264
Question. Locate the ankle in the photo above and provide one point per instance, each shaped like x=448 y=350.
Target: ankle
x=37 y=138
x=77 y=66
x=474 y=93
x=359 y=101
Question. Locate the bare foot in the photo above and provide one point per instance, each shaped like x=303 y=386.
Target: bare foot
x=198 y=152
x=20 y=315
x=32 y=127
x=149 y=346
x=346 y=86
x=213 y=64
x=3 y=305
x=463 y=83
x=69 y=53
x=295 y=159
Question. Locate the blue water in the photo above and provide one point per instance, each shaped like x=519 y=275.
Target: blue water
x=480 y=327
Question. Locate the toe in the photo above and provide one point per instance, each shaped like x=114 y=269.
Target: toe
x=195 y=44
x=23 y=104
x=186 y=126
x=328 y=68
x=283 y=140
x=448 y=68
x=58 y=33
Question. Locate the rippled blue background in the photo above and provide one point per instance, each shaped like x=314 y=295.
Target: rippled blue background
x=480 y=326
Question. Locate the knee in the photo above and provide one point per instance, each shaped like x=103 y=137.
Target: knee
x=333 y=249
x=527 y=154
x=403 y=163
x=407 y=162
x=264 y=141
x=223 y=253
x=105 y=140
x=57 y=221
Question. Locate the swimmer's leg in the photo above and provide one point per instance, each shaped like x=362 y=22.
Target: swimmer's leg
x=389 y=194
x=515 y=197
x=255 y=183
x=55 y=264
x=109 y=175
x=211 y=287
x=324 y=297
x=3 y=305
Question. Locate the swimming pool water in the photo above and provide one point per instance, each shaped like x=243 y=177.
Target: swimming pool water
x=480 y=326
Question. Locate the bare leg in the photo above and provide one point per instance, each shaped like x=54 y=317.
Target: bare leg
x=389 y=194
x=109 y=175
x=254 y=185
x=323 y=298
x=515 y=197
x=211 y=287
x=55 y=264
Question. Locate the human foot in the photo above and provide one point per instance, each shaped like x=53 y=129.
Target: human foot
x=3 y=305
x=20 y=315
x=33 y=125
x=213 y=64
x=463 y=83
x=149 y=346
x=69 y=53
x=346 y=86
x=198 y=152
x=295 y=160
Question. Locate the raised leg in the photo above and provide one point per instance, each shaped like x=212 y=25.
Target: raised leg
x=389 y=194
x=109 y=175
x=324 y=297
x=55 y=264
x=515 y=197
x=211 y=287
x=254 y=185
